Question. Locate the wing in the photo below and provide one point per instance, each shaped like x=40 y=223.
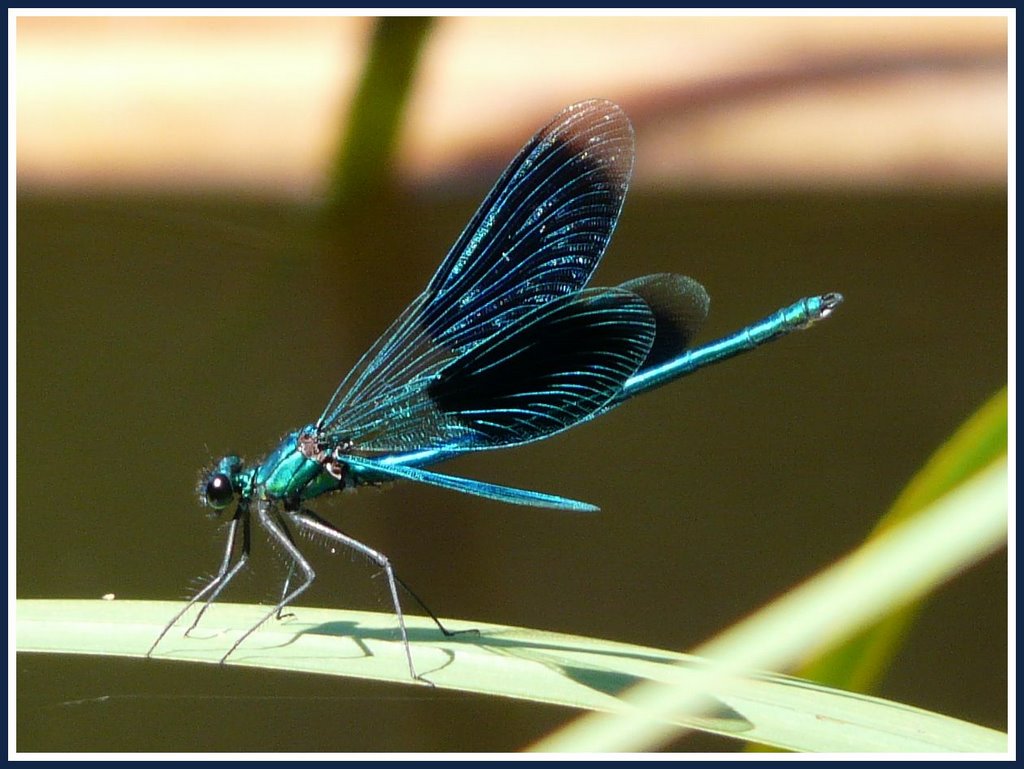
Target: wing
x=538 y=236
x=559 y=365
x=467 y=485
x=680 y=306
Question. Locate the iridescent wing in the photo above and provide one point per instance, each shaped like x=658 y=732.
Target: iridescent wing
x=468 y=485
x=537 y=237
x=553 y=369
x=558 y=367
x=680 y=306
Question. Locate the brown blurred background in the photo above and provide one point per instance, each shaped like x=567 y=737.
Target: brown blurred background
x=193 y=278
x=258 y=103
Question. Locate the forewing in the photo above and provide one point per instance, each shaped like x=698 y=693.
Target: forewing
x=557 y=367
x=538 y=236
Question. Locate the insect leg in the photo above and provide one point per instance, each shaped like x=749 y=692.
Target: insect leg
x=280 y=534
x=315 y=523
x=291 y=571
x=243 y=558
x=224 y=574
x=442 y=628
x=323 y=526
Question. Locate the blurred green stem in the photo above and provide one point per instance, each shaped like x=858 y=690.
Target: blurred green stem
x=361 y=171
x=859 y=664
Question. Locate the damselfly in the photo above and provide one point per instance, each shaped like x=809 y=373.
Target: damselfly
x=505 y=346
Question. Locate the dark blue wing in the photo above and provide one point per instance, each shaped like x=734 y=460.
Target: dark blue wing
x=680 y=306
x=538 y=236
x=555 y=368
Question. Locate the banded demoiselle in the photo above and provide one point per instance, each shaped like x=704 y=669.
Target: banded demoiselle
x=505 y=346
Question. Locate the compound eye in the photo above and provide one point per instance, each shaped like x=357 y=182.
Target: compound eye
x=219 y=492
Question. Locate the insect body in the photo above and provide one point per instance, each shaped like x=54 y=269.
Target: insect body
x=505 y=346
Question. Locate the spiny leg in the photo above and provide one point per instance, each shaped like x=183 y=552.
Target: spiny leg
x=279 y=532
x=224 y=574
x=284 y=590
x=322 y=524
x=291 y=571
x=315 y=523
x=243 y=558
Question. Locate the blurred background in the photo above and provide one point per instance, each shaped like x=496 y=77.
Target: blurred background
x=216 y=216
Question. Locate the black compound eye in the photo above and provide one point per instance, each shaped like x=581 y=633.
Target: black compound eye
x=219 y=492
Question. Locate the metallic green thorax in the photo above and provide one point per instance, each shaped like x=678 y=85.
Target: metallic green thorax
x=288 y=473
x=298 y=469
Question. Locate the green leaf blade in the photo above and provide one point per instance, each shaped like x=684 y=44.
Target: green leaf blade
x=860 y=663
x=553 y=668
